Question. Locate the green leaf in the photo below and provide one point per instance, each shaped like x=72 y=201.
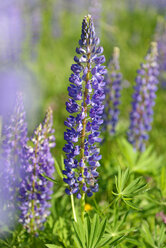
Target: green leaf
x=80 y=232
x=107 y=240
x=52 y=246
x=162 y=235
x=77 y=239
x=50 y=179
x=125 y=178
x=99 y=231
x=146 y=234
x=131 y=205
x=133 y=241
x=62 y=162
x=58 y=169
x=140 y=162
x=95 y=223
x=87 y=226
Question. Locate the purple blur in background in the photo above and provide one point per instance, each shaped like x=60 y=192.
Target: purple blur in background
x=35 y=190
x=160 y=37
x=12 y=31
x=113 y=93
x=14 y=138
x=144 y=95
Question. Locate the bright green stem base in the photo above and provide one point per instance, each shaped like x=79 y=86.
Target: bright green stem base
x=73 y=208
x=83 y=207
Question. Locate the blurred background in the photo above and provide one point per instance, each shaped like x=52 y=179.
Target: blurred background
x=38 y=39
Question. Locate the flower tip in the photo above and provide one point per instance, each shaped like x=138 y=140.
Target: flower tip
x=154 y=48
x=88 y=17
x=116 y=52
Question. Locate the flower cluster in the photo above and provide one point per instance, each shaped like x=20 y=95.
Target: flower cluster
x=35 y=190
x=112 y=92
x=141 y=115
x=12 y=32
x=86 y=108
x=14 y=137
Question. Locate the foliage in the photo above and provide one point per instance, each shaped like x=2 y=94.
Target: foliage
x=132 y=185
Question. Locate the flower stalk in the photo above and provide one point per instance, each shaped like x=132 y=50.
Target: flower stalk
x=86 y=106
x=73 y=208
x=113 y=93
x=36 y=190
x=144 y=96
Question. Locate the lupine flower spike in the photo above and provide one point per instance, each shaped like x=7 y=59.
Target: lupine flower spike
x=86 y=108
x=14 y=137
x=112 y=92
x=35 y=190
x=144 y=96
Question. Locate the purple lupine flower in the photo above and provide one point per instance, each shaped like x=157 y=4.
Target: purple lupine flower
x=12 y=33
x=8 y=87
x=112 y=92
x=35 y=190
x=86 y=108
x=161 y=215
x=144 y=96
x=19 y=79
x=32 y=11
x=14 y=137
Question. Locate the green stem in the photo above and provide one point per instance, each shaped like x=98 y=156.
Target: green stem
x=109 y=205
x=73 y=208
x=83 y=136
x=32 y=223
x=82 y=206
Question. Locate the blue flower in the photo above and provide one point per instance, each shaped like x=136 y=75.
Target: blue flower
x=112 y=92
x=86 y=106
x=144 y=96
x=35 y=190
x=14 y=133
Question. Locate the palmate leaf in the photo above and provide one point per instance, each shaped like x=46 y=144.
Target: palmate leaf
x=162 y=181
x=144 y=162
x=109 y=240
x=133 y=241
x=131 y=205
x=4 y=243
x=127 y=190
x=89 y=233
x=156 y=239
x=146 y=234
x=95 y=223
x=52 y=246
x=100 y=229
x=162 y=236
x=134 y=187
x=79 y=237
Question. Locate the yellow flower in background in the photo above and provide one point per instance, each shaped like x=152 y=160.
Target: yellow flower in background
x=88 y=207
